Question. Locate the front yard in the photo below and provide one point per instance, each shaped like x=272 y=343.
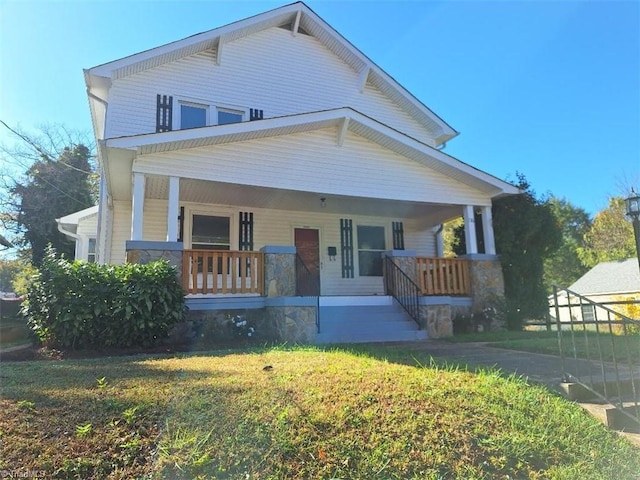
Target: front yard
x=293 y=413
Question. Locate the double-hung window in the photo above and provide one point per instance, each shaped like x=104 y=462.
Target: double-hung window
x=210 y=233
x=371 y=244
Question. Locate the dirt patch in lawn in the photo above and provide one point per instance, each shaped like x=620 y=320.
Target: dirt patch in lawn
x=43 y=353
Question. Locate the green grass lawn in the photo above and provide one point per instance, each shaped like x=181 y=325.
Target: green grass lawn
x=300 y=413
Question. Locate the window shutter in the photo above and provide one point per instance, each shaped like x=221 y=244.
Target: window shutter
x=164 y=112
x=398 y=235
x=181 y=225
x=346 y=247
x=245 y=237
x=255 y=114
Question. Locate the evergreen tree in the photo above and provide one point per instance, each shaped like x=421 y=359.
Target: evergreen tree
x=52 y=189
x=526 y=233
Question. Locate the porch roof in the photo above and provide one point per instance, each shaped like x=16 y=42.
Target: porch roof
x=343 y=119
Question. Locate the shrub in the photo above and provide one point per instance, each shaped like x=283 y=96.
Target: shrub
x=84 y=305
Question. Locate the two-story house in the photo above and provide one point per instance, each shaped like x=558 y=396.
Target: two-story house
x=284 y=172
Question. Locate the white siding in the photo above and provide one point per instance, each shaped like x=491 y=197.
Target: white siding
x=88 y=226
x=154 y=228
x=121 y=230
x=312 y=162
x=271 y=70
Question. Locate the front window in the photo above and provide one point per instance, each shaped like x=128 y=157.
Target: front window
x=210 y=233
x=193 y=115
x=371 y=244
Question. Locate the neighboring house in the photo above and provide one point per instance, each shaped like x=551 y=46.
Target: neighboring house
x=82 y=228
x=607 y=283
x=273 y=162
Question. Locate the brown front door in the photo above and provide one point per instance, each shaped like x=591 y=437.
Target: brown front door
x=307 y=242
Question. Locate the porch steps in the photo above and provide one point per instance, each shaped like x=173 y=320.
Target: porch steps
x=365 y=319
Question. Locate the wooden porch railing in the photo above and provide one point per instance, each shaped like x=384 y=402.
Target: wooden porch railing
x=443 y=276
x=222 y=271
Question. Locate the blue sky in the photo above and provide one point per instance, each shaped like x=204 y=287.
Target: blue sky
x=549 y=89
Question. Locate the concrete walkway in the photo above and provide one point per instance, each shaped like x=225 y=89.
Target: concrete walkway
x=537 y=368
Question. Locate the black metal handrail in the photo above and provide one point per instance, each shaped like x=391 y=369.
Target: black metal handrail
x=401 y=287
x=307 y=285
x=605 y=350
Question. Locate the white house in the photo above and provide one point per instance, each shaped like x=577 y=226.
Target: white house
x=271 y=137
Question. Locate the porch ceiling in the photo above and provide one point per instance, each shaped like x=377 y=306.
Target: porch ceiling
x=217 y=193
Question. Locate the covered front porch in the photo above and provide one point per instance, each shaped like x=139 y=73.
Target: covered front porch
x=302 y=207
x=427 y=292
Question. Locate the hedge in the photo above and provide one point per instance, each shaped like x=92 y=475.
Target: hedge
x=86 y=305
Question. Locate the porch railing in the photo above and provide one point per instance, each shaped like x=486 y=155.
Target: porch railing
x=222 y=272
x=443 y=276
x=402 y=288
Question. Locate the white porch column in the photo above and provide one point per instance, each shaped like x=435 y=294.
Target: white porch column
x=137 y=206
x=439 y=240
x=470 y=229
x=487 y=231
x=172 y=209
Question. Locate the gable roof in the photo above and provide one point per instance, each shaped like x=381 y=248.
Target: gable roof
x=301 y=19
x=622 y=276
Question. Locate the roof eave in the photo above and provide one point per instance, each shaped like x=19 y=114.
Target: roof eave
x=421 y=152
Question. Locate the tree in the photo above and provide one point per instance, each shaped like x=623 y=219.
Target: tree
x=58 y=180
x=610 y=236
x=9 y=269
x=526 y=233
x=563 y=267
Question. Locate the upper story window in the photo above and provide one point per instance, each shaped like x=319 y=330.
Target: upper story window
x=193 y=115
x=226 y=116
x=183 y=113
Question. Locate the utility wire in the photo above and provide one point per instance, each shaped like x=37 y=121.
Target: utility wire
x=40 y=150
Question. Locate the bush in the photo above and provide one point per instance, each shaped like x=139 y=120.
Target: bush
x=85 y=305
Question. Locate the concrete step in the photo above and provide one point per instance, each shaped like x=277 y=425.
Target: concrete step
x=379 y=321
x=370 y=337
